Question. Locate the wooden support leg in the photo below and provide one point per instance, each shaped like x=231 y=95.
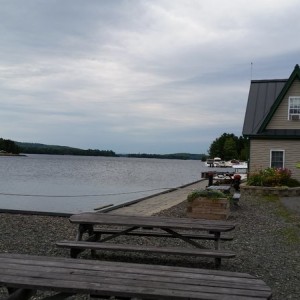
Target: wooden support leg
x=218 y=262
x=81 y=230
x=217 y=240
x=74 y=252
x=217 y=247
x=20 y=294
x=94 y=237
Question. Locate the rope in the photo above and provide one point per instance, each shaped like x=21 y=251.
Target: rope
x=77 y=196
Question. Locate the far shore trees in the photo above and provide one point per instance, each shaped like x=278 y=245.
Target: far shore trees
x=228 y=146
x=9 y=146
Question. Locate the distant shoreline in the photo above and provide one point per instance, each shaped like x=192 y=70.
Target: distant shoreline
x=10 y=154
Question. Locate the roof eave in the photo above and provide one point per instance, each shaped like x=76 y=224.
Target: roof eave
x=272 y=137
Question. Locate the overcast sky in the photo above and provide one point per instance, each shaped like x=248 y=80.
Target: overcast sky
x=134 y=76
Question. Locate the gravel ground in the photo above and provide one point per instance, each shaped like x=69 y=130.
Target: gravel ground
x=266 y=240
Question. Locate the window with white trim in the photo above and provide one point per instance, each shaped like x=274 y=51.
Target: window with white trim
x=294 y=108
x=277 y=158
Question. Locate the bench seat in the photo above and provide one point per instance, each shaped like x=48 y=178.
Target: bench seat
x=236 y=197
x=145 y=249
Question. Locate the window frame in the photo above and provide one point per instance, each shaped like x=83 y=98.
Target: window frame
x=289 y=107
x=283 y=157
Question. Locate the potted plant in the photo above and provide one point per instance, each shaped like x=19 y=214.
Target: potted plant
x=206 y=204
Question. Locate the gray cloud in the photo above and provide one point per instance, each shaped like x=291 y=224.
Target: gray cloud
x=138 y=76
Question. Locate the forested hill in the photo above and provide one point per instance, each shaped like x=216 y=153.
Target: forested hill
x=36 y=148
x=9 y=146
x=184 y=156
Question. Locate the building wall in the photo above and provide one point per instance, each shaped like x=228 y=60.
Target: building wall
x=280 y=117
x=260 y=154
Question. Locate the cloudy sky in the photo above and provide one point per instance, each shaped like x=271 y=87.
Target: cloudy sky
x=154 y=76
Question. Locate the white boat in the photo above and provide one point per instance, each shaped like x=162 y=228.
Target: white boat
x=241 y=169
x=215 y=162
x=219 y=163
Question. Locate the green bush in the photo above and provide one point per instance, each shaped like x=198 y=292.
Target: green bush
x=272 y=177
x=292 y=182
x=205 y=193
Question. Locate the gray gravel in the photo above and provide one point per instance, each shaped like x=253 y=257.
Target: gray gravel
x=266 y=240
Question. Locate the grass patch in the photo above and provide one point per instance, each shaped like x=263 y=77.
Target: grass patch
x=271 y=198
x=279 y=208
x=291 y=234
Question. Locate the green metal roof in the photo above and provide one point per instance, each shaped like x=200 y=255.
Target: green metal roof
x=295 y=74
x=264 y=98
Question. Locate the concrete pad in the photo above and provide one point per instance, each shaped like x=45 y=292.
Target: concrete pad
x=160 y=202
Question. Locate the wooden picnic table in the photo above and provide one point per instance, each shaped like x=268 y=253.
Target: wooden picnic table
x=23 y=275
x=186 y=229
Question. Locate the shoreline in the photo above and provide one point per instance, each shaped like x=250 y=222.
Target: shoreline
x=11 y=154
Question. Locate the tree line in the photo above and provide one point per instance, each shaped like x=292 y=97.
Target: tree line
x=228 y=146
x=35 y=148
x=183 y=156
x=9 y=146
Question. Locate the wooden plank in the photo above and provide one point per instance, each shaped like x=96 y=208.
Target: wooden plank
x=94 y=264
x=124 y=279
x=156 y=233
x=148 y=292
x=71 y=281
x=67 y=271
x=143 y=249
x=152 y=221
x=53 y=280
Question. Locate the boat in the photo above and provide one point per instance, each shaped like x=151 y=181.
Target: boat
x=215 y=162
x=219 y=163
x=241 y=169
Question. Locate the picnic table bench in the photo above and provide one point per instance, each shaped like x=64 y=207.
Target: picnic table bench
x=236 y=197
x=151 y=226
x=23 y=275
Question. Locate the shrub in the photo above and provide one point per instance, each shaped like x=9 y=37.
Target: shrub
x=272 y=177
x=205 y=193
x=292 y=182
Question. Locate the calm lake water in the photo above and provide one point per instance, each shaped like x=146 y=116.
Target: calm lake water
x=71 y=184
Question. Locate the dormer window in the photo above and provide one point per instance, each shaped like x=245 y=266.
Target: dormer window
x=294 y=108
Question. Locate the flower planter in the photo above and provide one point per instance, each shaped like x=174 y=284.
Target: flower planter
x=208 y=208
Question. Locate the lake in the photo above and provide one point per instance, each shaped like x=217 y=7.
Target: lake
x=72 y=184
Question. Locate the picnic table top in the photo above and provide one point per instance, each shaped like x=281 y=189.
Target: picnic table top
x=151 y=221
x=127 y=279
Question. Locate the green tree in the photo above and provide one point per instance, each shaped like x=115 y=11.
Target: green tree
x=9 y=146
x=230 y=149
x=229 y=146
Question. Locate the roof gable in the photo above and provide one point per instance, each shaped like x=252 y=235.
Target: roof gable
x=264 y=98
x=262 y=95
x=295 y=74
